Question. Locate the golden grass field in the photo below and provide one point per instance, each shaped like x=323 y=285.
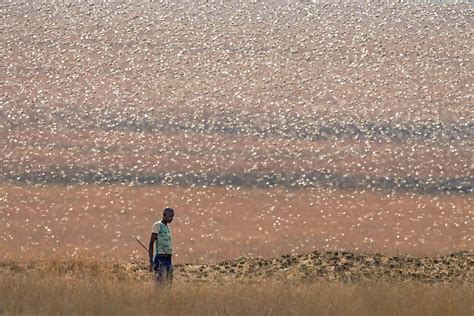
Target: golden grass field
x=86 y=286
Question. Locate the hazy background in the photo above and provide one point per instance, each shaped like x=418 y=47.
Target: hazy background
x=270 y=128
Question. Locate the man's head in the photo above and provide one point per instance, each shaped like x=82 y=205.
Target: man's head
x=168 y=214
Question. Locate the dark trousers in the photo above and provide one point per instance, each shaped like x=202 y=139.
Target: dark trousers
x=163 y=266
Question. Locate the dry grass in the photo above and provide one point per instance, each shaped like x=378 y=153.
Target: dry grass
x=84 y=286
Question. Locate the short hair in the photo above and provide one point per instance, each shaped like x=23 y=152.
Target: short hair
x=167 y=209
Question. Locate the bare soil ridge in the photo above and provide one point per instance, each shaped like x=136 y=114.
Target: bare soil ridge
x=343 y=266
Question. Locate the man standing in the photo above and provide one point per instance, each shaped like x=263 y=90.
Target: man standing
x=161 y=234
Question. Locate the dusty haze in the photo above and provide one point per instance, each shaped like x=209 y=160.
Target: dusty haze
x=271 y=129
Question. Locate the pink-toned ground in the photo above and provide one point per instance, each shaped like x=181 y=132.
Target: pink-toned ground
x=218 y=223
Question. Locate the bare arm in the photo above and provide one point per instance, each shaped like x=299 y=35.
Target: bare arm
x=153 y=238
